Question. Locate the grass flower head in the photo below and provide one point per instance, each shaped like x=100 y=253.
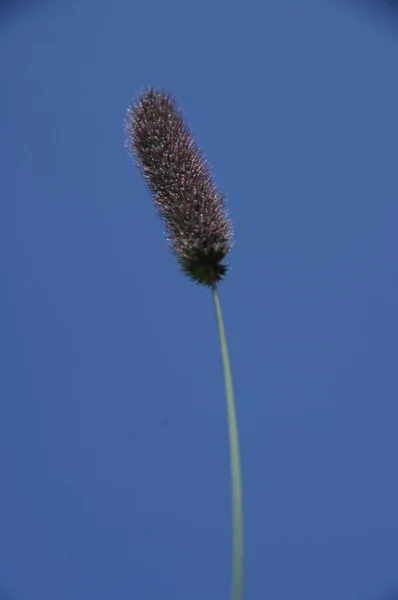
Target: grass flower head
x=180 y=182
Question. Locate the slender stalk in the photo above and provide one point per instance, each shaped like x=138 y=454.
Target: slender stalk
x=237 y=519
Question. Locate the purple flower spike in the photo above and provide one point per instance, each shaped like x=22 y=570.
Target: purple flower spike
x=182 y=187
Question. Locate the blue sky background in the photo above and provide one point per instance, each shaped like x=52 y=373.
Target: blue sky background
x=114 y=466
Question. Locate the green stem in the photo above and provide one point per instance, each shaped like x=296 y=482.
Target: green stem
x=237 y=575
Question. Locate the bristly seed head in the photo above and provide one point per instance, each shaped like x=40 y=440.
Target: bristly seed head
x=182 y=187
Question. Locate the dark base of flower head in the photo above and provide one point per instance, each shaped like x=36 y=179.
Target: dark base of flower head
x=204 y=269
